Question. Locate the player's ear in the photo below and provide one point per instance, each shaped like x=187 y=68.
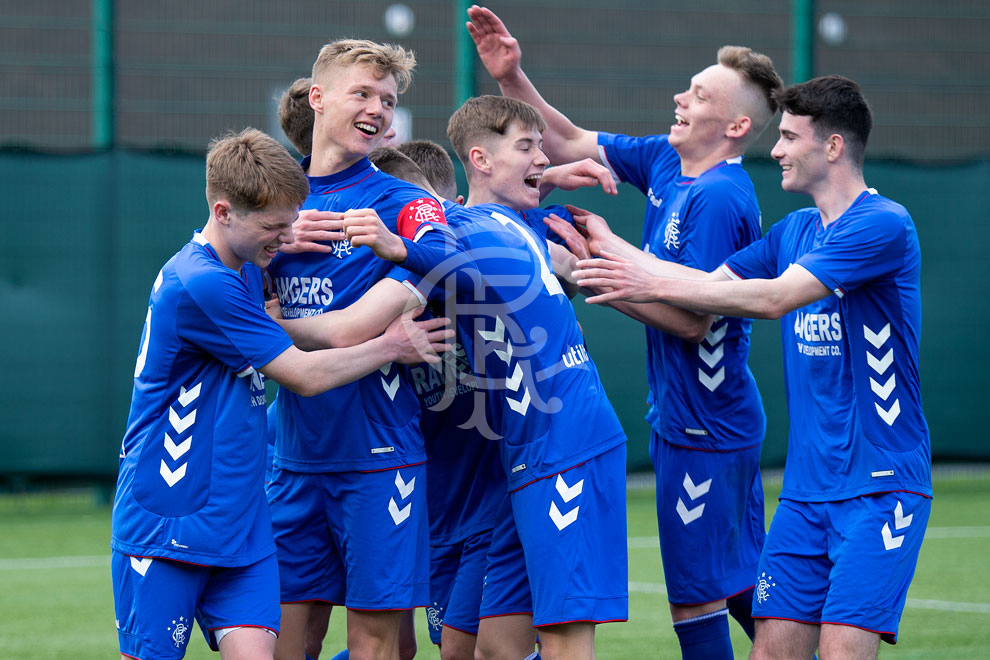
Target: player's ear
x=479 y=159
x=739 y=127
x=316 y=97
x=834 y=146
x=221 y=211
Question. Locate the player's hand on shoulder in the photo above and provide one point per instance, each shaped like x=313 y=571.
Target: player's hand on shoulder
x=499 y=51
x=313 y=230
x=411 y=341
x=365 y=227
x=584 y=173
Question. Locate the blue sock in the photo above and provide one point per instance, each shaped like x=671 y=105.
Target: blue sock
x=741 y=608
x=705 y=637
x=343 y=655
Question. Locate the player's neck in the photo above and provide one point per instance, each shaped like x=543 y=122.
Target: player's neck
x=328 y=158
x=214 y=236
x=837 y=193
x=694 y=165
x=480 y=195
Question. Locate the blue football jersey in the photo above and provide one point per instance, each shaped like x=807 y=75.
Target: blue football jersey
x=547 y=404
x=851 y=359
x=701 y=395
x=192 y=462
x=372 y=423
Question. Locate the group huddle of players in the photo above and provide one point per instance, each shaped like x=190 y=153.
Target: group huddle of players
x=487 y=483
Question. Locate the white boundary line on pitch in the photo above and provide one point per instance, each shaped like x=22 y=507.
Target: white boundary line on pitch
x=913 y=603
x=972 y=532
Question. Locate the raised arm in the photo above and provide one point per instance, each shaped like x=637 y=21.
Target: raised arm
x=405 y=340
x=500 y=53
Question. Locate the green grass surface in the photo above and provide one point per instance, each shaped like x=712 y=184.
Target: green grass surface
x=56 y=602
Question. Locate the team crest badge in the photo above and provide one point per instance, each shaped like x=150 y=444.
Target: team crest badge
x=426 y=212
x=672 y=232
x=763 y=587
x=180 y=632
x=433 y=617
x=342 y=248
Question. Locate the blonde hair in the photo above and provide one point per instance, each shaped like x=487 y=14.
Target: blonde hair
x=761 y=81
x=296 y=116
x=483 y=118
x=383 y=59
x=252 y=171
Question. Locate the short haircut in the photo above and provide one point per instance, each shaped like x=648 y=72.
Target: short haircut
x=383 y=59
x=395 y=163
x=252 y=171
x=484 y=118
x=835 y=105
x=296 y=115
x=435 y=163
x=757 y=72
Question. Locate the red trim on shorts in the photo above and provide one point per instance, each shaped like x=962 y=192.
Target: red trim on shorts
x=594 y=621
x=712 y=601
x=310 y=600
x=245 y=625
x=395 y=467
x=495 y=616
x=466 y=632
x=889 y=637
x=784 y=618
x=383 y=609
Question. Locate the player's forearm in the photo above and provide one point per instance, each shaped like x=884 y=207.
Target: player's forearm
x=688 y=325
x=757 y=299
x=312 y=373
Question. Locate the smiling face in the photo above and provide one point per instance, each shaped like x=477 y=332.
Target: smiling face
x=515 y=165
x=354 y=111
x=801 y=154
x=703 y=112
x=255 y=236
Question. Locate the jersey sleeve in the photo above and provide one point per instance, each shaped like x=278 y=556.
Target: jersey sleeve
x=635 y=159
x=758 y=260
x=857 y=250
x=228 y=321
x=429 y=242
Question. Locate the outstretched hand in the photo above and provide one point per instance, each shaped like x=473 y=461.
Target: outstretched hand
x=312 y=230
x=616 y=279
x=594 y=228
x=412 y=342
x=499 y=51
x=364 y=227
x=576 y=243
x=584 y=173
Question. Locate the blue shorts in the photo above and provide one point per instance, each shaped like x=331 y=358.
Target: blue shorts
x=359 y=539
x=847 y=563
x=573 y=532
x=505 y=589
x=711 y=521
x=457 y=573
x=155 y=601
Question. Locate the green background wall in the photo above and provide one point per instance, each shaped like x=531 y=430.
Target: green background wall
x=85 y=236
